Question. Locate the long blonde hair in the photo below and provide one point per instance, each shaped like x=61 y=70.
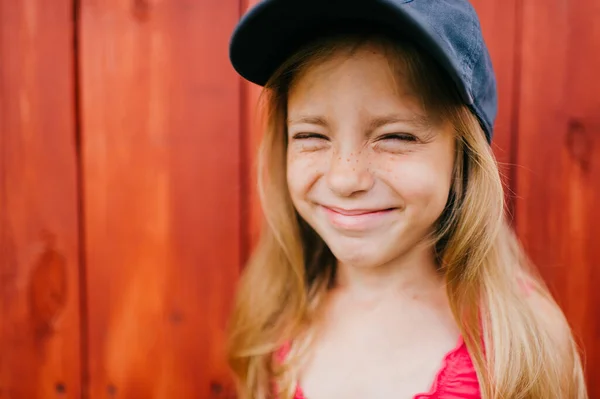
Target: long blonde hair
x=516 y=351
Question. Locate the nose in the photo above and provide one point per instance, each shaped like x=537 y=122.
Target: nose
x=349 y=174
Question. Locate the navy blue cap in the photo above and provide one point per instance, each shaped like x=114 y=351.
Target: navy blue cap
x=449 y=30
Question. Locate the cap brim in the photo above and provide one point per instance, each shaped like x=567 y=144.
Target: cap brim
x=275 y=29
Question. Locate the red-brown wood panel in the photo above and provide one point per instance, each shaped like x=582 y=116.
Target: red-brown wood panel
x=500 y=25
x=39 y=254
x=558 y=179
x=161 y=130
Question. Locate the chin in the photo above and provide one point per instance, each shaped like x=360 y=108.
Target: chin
x=358 y=255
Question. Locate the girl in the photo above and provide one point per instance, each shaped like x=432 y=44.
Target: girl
x=386 y=268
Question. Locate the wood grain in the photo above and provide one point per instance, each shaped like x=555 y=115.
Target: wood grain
x=161 y=125
x=39 y=253
x=559 y=157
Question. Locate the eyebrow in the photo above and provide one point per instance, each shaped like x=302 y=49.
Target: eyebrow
x=313 y=120
x=376 y=123
x=417 y=120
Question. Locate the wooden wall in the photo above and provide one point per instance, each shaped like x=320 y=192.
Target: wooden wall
x=127 y=204
x=161 y=192
x=40 y=292
x=558 y=160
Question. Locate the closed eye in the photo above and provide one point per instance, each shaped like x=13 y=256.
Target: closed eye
x=399 y=136
x=304 y=136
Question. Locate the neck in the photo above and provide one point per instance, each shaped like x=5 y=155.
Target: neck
x=411 y=275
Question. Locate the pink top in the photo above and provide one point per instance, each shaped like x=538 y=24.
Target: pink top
x=456 y=379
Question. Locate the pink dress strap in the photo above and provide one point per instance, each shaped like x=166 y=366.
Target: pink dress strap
x=456 y=379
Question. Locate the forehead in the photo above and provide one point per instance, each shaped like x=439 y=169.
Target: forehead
x=365 y=76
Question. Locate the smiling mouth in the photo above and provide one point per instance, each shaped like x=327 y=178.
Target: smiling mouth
x=356 y=212
x=356 y=219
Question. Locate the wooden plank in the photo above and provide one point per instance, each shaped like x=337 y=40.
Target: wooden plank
x=559 y=153
x=500 y=26
x=161 y=122
x=39 y=254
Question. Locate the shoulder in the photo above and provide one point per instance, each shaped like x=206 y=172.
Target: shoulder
x=561 y=348
x=550 y=317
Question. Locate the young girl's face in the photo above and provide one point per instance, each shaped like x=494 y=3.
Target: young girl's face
x=365 y=167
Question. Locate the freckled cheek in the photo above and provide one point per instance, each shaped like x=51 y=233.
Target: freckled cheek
x=413 y=180
x=303 y=170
